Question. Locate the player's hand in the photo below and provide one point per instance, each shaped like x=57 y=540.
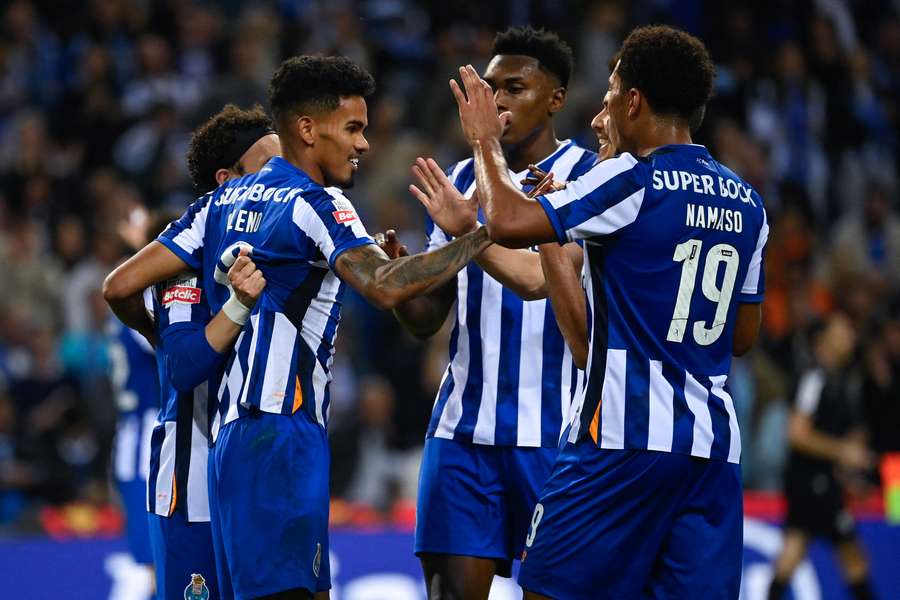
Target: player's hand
x=390 y=243
x=247 y=282
x=855 y=455
x=477 y=109
x=446 y=206
x=542 y=181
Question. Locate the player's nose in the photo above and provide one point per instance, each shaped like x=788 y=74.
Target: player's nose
x=361 y=145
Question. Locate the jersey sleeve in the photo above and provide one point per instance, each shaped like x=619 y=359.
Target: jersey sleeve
x=601 y=202
x=753 y=289
x=182 y=317
x=328 y=218
x=185 y=236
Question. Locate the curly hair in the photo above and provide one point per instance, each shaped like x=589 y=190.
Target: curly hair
x=552 y=53
x=316 y=84
x=671 y=68
x=213 y=144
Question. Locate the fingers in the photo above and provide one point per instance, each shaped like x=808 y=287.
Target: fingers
x=244 y=250
x=424 y=178
x=437 y=173
x=421 y=196
x=458 y=94
x=428 y=177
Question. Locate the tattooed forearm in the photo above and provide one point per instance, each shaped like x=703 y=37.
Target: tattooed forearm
x=387 y=283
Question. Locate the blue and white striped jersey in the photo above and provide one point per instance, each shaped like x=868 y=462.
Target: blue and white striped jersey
x=282 y=359
x=136 y=389
x=511 y=375
x=179 y=446
x=673 y=243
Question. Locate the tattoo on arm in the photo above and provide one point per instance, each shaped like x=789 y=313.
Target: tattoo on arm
x=388 y=283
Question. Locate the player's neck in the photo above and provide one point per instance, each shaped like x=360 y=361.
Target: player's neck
x=662 y=133
x=532 y=150
x=300 y=158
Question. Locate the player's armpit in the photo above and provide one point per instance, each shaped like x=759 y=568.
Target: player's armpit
x=746 y=328
x=387 y=283
x=122 y=289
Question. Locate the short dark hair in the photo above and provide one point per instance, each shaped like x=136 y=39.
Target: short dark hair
x=212 y=145
x=552 y=53
x=670 y=67
x=316 y=83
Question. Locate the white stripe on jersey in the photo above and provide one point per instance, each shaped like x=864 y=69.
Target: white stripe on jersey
x=453 y=407
x=612 y=405
x=309 y=222
x=697 y=399
x=235 y=381
x=485 y=425
x=751 y=282
x=197 y=487
x=661 y=410
x=356 y=225
x=275 y=378
x=166 y=475
x=584 y=185
x=611 y=220
x=530 y=369
x=251 y=359
x=312 y=330
x=191 y=239
x=734 y=445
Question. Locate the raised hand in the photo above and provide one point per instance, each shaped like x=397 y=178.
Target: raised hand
x=390 y=243
x=477 y=109
x=446 y=206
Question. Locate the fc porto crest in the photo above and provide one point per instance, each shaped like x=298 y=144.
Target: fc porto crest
x=196 y=589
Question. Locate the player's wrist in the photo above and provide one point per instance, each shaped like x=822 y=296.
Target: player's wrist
x=236 y=311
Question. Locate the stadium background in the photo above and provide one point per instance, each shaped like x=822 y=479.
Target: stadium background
x=97 y=100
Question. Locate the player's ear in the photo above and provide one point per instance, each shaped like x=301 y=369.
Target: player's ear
x=557 y=100
x=222 y=176
x=306 y=129
x=636 y=103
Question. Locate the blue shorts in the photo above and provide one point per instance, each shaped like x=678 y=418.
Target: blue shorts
x=477 y=500
x=180 y=549
x=269 y=504
x=134 y=505
x=635 y=524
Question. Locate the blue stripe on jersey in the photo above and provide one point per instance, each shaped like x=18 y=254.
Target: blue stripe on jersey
x=466 y=176
x=683 y=433
x=471 y=396
x=583 y=165
x=551 y=379
x=447 y=385
x=719 y=417
x=156 y=442
x=508 y=370
x=620 y=186
x=599 y=336
x=637 y=400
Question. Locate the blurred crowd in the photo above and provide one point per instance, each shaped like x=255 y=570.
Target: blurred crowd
x=98 y=99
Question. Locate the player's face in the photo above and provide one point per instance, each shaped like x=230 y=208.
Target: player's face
x=528 y=93
x=259 y=153
x=340 y=141
x=615 y=105
x=600 y=125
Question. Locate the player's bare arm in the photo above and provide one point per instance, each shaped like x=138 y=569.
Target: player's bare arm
x=388 y=283
x=247 y=283
x=746 y=328
x=519 y=270
x=123 y=287
x=561 y=270
x=513 y=220
x=423 y=316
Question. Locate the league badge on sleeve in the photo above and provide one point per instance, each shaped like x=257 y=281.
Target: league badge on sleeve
x=345 y=212
x=196 y=589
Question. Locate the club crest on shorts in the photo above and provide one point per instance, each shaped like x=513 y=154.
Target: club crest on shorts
x=317 y=561
x=196 y=589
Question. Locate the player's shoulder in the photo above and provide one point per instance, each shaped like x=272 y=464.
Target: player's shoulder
x=462 y=173
x=575 y=160
x=624 y=166
x=741 y=189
